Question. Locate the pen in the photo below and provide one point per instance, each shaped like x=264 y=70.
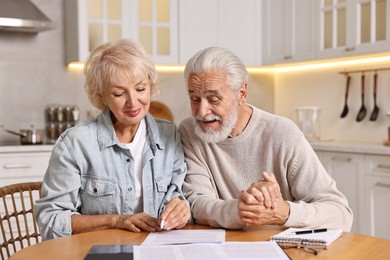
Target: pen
x=162 y=223
x=310 y=231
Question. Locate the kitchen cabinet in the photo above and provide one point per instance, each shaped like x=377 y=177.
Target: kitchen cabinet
x=347 y=169
x=288 y=31
x=377 y=197
x=352 y=27
x=232 y=24
x=157 y=29
x=153 y=23
x=23 y=166
x=364 y=178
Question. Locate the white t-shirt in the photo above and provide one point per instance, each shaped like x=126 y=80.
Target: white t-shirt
x=136 y=147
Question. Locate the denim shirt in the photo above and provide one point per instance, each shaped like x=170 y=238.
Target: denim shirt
x=91 y=173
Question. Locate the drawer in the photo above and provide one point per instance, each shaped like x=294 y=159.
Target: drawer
x=23 y=167
x=378 y=165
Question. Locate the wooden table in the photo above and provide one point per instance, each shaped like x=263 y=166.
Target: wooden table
x=348 y=246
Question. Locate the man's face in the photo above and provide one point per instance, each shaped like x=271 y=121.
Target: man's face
x=213 y=105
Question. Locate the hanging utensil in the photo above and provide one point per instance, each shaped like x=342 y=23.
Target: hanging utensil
x=363 y=111
x=375 y=112
x=345 y=109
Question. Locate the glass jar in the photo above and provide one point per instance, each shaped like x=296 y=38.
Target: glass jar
x=308 y=122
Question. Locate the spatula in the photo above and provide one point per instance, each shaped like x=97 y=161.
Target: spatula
x=375 y=112
x=363 y=111
x=345 y=109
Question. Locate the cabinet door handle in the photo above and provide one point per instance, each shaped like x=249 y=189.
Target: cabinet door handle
x=341 y=159
x=384 y=185
x=17 y=166
x=350 y=49
x=383 y=167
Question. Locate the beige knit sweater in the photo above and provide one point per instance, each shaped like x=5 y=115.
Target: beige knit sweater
x=218 y=172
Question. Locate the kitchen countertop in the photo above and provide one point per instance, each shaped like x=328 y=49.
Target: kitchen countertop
x=326 y=145
x=366 y=147
x=26 y=148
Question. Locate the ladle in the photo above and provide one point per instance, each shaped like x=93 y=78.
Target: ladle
x=375 y=112
x=345 y=109
x=363 y=111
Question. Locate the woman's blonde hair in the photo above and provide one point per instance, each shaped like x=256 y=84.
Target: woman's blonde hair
x=108 y=60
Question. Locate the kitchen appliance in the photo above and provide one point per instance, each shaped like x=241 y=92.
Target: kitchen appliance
x=23 y=16
x=308 y=121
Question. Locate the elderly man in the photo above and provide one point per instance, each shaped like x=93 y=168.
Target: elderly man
x=247 y=166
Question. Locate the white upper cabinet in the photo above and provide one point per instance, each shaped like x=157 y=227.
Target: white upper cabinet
x=352 y=27
x=232 y=24
x=157 y=30
x=90 y=23
x=288 y=31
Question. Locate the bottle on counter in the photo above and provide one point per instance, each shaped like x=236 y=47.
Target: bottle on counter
x=76 y=114
x=51 y=115
x=60 y=114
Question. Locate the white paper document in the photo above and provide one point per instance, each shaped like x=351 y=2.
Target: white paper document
x=226 y=251
x=174 y=237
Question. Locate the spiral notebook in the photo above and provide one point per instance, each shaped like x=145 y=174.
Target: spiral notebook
x=322 y=238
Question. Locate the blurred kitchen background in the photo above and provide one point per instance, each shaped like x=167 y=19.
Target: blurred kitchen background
x=298 y=52
x=274 y=38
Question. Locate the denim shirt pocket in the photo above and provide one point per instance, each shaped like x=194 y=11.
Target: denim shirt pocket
x=98 y=195
x=163 y=182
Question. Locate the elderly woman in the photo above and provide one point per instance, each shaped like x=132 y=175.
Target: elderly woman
x=123 y=169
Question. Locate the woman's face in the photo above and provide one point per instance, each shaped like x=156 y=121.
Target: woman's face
x=128 y=99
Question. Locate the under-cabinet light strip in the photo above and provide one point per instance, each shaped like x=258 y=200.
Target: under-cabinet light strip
x=274 y=69
x=362 y=71
x=330 y=64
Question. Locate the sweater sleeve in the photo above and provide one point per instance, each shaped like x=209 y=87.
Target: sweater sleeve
x=315 y=201
x=200 y=190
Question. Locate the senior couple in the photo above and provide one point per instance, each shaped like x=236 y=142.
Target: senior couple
x=228 y=165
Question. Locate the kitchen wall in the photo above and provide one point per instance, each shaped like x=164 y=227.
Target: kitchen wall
x=326 y=88
x=33 y=75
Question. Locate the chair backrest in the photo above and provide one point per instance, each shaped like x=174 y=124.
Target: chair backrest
x=18 y=226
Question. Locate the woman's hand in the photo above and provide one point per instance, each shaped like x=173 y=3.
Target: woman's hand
x=137 y=222
x=176 y=214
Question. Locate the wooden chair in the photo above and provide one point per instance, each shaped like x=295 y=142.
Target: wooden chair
x=18 y=226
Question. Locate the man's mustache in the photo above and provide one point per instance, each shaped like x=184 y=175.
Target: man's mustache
x=208 y=118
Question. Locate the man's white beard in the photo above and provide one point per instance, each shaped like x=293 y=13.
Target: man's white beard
x=208 y=135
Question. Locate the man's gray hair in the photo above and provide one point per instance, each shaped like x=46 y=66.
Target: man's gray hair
x=218 y=59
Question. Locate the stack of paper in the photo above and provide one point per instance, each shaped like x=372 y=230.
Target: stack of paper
x=205 y=245
x=189 y=245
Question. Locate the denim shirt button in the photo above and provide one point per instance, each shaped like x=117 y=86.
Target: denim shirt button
x=130 y=189
x=95 y=190
x=127 y=160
